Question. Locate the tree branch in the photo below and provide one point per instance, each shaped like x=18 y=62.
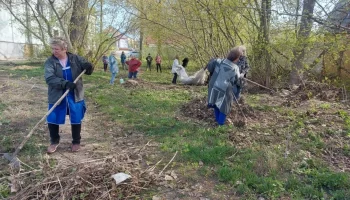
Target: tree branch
x=61 y=24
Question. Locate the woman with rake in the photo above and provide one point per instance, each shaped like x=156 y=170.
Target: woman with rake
x=61 y=69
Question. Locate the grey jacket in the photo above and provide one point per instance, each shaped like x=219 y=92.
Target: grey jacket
x=243 y=65
x=220 y=92
x=54 y=77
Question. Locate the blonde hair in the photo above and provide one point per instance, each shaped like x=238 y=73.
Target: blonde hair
x=59 y=41
x=243 y=49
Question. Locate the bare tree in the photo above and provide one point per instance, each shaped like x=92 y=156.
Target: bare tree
x=40 y=19
x=302 y=36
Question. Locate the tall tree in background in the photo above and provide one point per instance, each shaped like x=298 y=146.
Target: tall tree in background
x=302 y=37
x=78 y=24
x=29 y=44
x=264 y=37
x=142 y=11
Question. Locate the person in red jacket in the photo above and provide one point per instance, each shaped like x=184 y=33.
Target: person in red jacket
x=134 y=66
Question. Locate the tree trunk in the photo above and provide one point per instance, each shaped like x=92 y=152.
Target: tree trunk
x=340 y=63
x=28 y=48
x=101 y=19
x=265 y=27
x=303 y=34
x=141 y=43
x=78 y=24
x=141 y=31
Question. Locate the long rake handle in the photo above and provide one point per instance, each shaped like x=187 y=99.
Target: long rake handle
x=43 y=118
x=258 y=84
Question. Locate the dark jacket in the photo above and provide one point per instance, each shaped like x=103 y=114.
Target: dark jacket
x=149 y=59
x=185 y=62
x=243 y=65
x=54 y=77
x=105 y=59
x=123 y=58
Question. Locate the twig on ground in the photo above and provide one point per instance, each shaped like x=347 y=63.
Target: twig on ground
x=154 y=166
x=29 y=91
x=93 y=186
x=25 y=164
x=160 y=173
x=89 y=161
x=288 y=137
x=233 y=155
x=145 y=146
x=104 y=194
x=67 y=158
x=143 y=188
x=61 y=187
x=21 y=174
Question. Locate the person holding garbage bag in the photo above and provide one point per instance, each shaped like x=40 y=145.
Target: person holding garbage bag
x=61 y=69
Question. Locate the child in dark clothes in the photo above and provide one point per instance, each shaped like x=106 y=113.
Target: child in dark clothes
x=185 y=62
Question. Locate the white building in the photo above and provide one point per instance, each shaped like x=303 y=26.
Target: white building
x=14 y=43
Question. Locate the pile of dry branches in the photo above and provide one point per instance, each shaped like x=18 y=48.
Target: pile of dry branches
x=198 y=109
x=87 y=180
x=316 y=90
x=90 y=180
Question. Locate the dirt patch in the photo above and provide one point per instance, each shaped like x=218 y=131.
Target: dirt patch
x=23 y=67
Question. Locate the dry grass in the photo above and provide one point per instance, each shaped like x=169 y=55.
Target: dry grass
x=23 y=67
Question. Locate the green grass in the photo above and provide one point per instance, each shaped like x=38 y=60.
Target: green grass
x=4 y=191
x=258 y=169
x=248 y=171
x=36 y=71
x=345 y=116
x=3 y=120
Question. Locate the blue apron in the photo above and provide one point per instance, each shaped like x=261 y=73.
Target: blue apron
x=68 y=106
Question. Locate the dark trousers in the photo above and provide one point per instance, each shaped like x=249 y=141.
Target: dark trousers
x=132 y=74
x=105 y=67
x=160 y=68
x=149 y=66
x=174 y=79
x=55 y=137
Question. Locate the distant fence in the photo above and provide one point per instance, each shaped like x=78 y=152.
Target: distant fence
x=15 y=51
